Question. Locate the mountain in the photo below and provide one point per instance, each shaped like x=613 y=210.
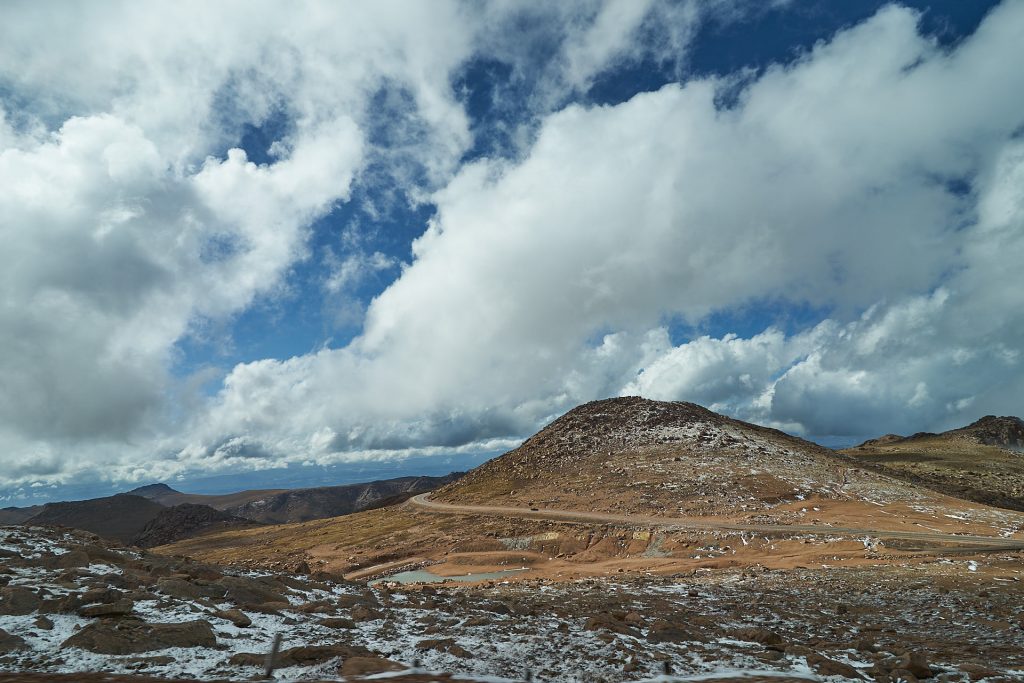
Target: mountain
x=165 y=495
x=15 y=515
x=633 y=455
x=300 y=505
x=119 y=517
x=279 y=506
x=982 y=462
x=156 y=514
x=629 y=484
x=184 y=521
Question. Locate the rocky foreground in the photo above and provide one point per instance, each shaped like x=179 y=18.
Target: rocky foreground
x=71 y=603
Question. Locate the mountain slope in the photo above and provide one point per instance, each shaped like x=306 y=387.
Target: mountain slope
x=300 y=505
x=639 y=456
x=119 y=517
x=165 y=495
x=185 y=521
x=981 y=462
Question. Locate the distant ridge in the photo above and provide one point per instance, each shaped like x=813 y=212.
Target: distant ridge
x=118 y=517
x=156 y=514
x=982 y=462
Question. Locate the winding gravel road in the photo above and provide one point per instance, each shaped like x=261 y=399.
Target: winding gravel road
x=971 y=543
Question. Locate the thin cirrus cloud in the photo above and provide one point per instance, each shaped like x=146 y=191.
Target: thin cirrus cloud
x=877 y=176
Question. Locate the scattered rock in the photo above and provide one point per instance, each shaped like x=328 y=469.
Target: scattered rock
x=43 y=623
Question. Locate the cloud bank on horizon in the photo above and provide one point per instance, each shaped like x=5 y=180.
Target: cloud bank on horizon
x=829 y=242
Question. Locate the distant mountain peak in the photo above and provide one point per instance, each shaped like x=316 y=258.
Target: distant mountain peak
x=152 y=490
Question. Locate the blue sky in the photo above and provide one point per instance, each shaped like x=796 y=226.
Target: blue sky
x=308 y=241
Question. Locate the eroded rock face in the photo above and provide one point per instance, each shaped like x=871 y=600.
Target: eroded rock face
x=132 y=636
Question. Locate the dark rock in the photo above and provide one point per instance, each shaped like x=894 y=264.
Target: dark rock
x=444 y=645
x=251 y=591
x=830 y=667
x=365 y=666
x=915 y=663
x=112 y=609
x=10 y=642
x=43 y=623
x=18 y=600
x=337 y=622
x=72 y=559
x=131 y=636
x=608 y=622
x=364 y=613
x=662 y=631
x=235 y=616
x=755 y=634
x=179 y=588
x=101 y=595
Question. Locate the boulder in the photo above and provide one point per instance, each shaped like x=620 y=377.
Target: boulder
x=18 y=600
x=178 y=588
x=10 y=642
x=251 y=591
x=131 y=636
x=662 y=631
x=364 y=613
x=444 y=645
x=365 y=666
x=756 y=634
x=337 y=622
x=608 y=622
x=235 y=616
x=73 y=559
x=830 y=667
x=112 y=609
x=915 y=663
x=104 y=595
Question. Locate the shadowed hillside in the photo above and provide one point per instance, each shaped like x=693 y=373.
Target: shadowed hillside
x=981 y=462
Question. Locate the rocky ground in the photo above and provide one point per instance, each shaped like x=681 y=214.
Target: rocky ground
x=71 y=603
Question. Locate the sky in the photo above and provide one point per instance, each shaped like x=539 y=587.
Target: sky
x=249 y=242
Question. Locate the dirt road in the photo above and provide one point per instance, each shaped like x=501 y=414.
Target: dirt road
x=971 y=543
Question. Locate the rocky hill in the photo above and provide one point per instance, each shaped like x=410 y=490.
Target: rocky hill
x=119 y=517
x=982 y=462
x=1004 y=432
x=184 y=521
x=300 y=505
x=16 y=515
x=634 y=455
